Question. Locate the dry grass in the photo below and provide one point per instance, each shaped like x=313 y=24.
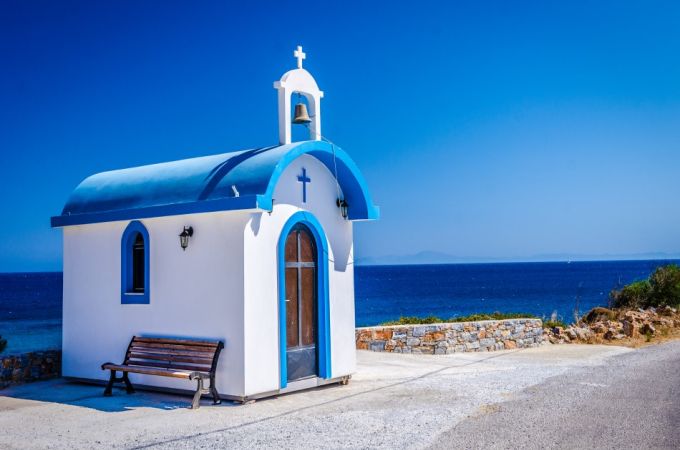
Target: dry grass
x=662 y=335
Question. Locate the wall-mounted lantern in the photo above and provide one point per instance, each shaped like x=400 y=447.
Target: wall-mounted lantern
x=184 y=237
x=342 y=204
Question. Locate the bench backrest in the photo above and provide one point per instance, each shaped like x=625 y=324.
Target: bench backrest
x=183 y=354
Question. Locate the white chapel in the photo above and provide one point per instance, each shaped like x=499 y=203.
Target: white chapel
x=251 y=248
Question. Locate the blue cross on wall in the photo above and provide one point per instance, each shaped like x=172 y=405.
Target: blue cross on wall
x=304 y=179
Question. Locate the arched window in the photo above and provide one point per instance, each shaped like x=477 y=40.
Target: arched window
x=135 y=264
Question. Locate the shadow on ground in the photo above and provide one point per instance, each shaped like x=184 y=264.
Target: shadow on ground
x=90 y=396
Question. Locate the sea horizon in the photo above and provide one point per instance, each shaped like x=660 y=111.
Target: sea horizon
x=31 y=302
x=671 y=259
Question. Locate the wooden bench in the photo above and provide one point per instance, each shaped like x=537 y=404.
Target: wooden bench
x=176 y=358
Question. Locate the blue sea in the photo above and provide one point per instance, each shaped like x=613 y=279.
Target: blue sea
x=30 y=303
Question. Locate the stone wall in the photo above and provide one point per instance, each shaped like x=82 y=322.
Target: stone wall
x=445 y=338
x=34 y=366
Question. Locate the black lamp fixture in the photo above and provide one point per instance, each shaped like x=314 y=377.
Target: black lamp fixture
x=342 y=204
x=184 y=237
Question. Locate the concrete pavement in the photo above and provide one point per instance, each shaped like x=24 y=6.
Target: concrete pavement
x=395 y=401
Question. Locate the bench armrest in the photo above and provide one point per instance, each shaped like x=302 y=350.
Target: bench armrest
x=196 y=375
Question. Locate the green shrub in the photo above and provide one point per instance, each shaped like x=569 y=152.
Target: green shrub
x=661 y=288
x=413 y=320
x=492 y=316
x=665 y=283
x=634 y=295
x=550 y=324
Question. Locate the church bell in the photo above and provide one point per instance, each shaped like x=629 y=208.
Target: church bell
x=301 y=116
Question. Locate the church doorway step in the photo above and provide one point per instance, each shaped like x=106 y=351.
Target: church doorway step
x=301 y=303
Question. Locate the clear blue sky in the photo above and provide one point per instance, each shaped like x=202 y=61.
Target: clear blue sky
x=486 y=130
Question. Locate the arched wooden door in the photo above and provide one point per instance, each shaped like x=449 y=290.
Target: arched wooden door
x=301 y=303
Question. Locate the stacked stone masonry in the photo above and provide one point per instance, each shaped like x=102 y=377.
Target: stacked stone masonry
x=446 y=338
x=34 y=366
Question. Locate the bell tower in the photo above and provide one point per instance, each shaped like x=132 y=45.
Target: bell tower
x=294 y=82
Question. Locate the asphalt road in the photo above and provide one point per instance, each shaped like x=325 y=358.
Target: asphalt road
x=633 y=401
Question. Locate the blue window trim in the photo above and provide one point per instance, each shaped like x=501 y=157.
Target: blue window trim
x=323 y=309
x=126 y=242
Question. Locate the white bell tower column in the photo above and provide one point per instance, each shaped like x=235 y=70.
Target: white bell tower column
x=298 y=81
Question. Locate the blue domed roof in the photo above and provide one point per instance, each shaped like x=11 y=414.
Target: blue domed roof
x=206 y=184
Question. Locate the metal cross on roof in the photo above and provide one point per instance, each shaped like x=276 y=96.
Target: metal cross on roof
x=300 y=55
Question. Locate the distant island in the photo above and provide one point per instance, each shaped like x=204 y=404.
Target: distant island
x=435 y=257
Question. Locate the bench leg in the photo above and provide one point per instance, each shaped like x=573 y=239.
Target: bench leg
x=128 y=386
x=196 y=403
x=109 y=385
x=213 y=391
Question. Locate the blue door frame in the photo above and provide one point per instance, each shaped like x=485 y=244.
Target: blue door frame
x=323 y=309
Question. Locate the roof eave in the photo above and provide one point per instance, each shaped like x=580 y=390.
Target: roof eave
x=204 y=206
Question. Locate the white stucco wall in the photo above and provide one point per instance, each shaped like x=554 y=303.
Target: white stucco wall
x=261 y=281
x=196 y=293
x=224 y=286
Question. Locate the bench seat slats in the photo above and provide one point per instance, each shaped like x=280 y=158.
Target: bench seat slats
x=177 y=358
x=167 y=366
x=198 y=348
x=165 y=351
x=192 y=367
x=170 y=358
x=180 y=342
x=151 y=370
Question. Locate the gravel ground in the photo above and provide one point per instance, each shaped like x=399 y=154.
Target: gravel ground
x=631 y=402
x=395 y=401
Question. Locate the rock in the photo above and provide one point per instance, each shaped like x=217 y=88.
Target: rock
x=666 y=311
x=382 y=335
x=584 y=334
x=472 y=345
x=634 y=316
x=631 y=329
x=412 y=342
x=599 y=315
x=422 y=330
x=427 y=350
x=377 y=346
x=598 y=328
x=435 y=336
x=510 y=345
x=489 y=342
x=647 y=329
